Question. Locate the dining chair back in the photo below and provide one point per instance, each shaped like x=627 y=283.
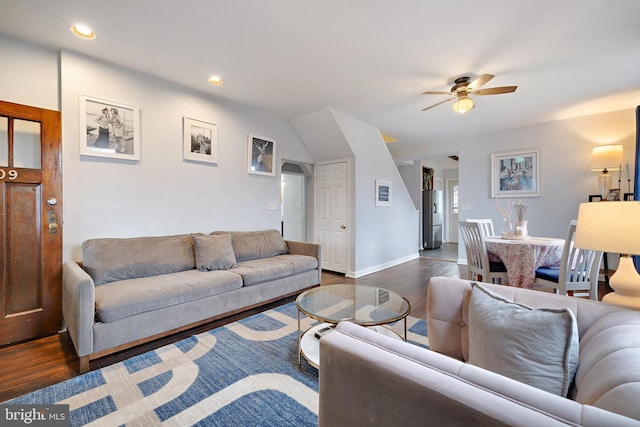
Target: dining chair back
x=478 y=265
x=578 y=272
x=486 y=226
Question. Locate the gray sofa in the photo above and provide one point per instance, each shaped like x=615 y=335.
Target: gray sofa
x=131 y=290
x=368 y=379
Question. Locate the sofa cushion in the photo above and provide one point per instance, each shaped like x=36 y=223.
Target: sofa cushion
x=249 y=245
x=107 y=260
x=538 y=347
x=259 y=271
x=608 y=374
x=213 y=252
x=125 y=298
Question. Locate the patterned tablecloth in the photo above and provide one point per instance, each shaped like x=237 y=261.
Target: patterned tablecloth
x=523 y=257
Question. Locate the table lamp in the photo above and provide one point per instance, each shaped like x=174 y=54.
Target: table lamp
x=614 y=227
x=605 y=158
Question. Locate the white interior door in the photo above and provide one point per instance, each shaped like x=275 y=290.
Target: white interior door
x=331 y=215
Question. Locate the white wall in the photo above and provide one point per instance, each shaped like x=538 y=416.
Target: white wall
x=566 y=181
x=162 y=194
x=384 y=235
x=28 y=74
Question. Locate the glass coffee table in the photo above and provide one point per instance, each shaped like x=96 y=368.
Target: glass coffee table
x=364 y=305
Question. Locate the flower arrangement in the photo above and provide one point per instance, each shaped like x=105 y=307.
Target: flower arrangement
x=505 y=212
x=520 y=209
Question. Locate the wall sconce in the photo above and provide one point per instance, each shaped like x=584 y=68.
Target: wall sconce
x=605 y=158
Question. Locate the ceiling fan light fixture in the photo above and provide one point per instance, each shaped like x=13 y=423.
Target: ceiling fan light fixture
x=463 y=104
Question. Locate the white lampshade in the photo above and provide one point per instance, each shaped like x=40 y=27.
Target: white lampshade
x=609 y=227
x=606 y=157
x=613 y=227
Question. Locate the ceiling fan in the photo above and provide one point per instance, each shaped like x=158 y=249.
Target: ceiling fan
x=464 y=87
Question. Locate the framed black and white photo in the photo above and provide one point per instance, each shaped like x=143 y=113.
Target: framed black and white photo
x=515 y=174
x=109 y=129
x=383 y=193
x=261 y=155
x=200 y=141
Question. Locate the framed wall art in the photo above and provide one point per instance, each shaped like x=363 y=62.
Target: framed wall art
x=515 y=174
x=383 y=193
x=109 y=129
x=261 y=155
x=199 y=141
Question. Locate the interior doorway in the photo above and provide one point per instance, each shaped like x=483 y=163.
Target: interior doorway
x=294 y=202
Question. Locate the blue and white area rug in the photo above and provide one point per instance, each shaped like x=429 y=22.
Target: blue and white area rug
x=244 y=373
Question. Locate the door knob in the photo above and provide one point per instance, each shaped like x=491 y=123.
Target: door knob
x=343 y=226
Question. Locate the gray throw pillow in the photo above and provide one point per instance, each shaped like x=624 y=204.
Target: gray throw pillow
x=538 y=347
x=213 y=252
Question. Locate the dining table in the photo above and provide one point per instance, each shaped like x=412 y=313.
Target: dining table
x=522 y=256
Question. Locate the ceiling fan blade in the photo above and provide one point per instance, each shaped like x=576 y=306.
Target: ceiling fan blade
x=439 y=103
x=436 y=93
x=495 y=90
x=479 y=81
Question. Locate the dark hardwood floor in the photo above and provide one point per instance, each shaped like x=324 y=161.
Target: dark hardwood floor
x=32 y=365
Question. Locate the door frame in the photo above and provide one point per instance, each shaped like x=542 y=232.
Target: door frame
x=350 y=256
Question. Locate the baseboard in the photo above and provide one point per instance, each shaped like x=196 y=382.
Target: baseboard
x=380 y=267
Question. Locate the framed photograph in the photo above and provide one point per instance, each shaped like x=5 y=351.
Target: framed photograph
x=199 y=141
x=109 y=129
x=383 y=193
x=515 y=174
x=261 y=155
x=614 y=195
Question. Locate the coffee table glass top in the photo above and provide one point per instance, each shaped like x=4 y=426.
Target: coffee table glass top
x=364 y=305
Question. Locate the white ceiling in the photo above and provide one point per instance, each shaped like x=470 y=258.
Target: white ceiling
x=370 y=59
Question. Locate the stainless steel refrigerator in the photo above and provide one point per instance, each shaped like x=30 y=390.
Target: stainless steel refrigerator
x=432 y=207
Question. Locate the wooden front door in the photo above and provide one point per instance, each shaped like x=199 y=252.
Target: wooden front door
x=30 y=223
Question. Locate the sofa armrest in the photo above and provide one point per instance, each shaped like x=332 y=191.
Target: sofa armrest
x=309 y=249
x=78 y=306
x=396 y=383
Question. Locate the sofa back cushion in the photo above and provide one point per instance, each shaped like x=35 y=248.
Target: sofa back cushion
x=608 y=374
x=107 y=260
x=249 y=245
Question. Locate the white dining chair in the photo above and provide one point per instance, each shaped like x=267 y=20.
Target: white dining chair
x=478 y=265
x=486 y=226
x=578 y=272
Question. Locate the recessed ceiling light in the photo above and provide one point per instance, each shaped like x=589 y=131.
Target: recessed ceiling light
x=216 y=80
x=83 y=31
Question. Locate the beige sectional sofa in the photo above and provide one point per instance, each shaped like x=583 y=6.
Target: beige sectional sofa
x=369 y=379
x=131 y=290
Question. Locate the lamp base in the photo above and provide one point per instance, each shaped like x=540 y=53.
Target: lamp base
x=626 y=285
x=604 y=184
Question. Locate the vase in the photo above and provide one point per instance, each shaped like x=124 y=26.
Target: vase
x=521 y=228
x=507 y=230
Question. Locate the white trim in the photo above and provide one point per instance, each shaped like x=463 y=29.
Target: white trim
x=380 y=267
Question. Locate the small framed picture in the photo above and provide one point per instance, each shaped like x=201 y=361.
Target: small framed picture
x=515 y=174
x=383 y=193
x=109 y=129
x=614 y=195
x=199 y=141
x=261 y=155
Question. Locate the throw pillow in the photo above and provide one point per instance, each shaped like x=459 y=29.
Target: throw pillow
x=213 y=252
x=538 y=347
